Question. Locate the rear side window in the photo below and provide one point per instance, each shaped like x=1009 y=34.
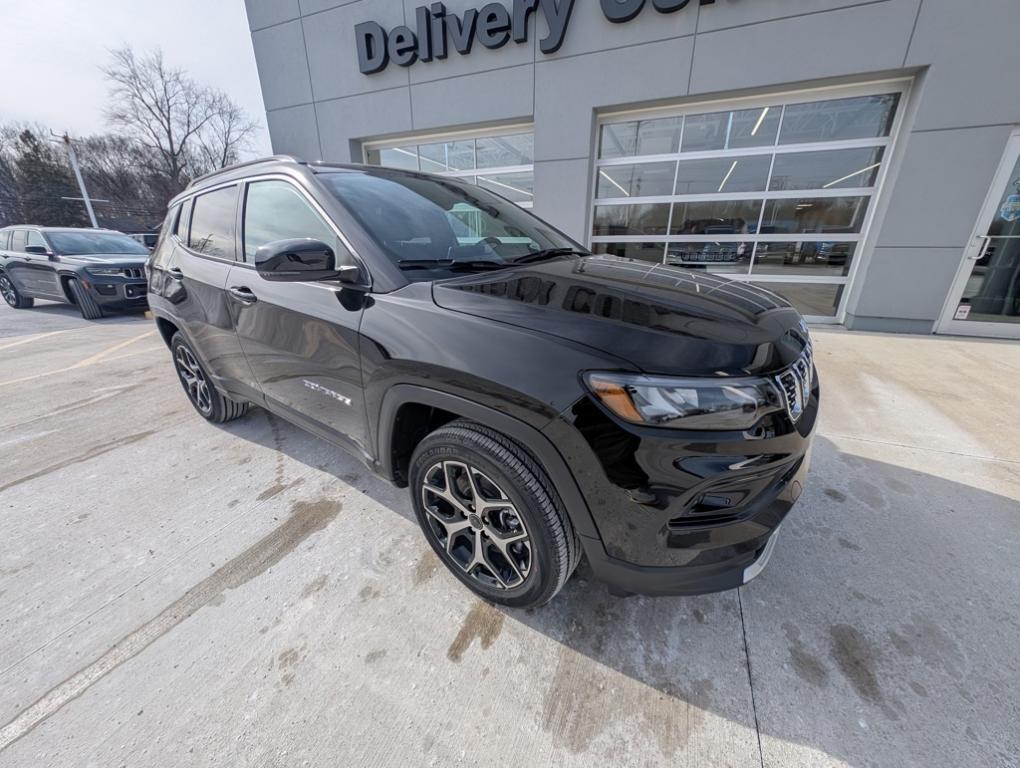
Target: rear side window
x=5 y=239
x=213 y=223
x=275 y=210
x=184 y=221
x=18 y=241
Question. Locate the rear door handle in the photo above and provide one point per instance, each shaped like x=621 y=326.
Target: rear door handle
x=175 y=273
x=243 y=294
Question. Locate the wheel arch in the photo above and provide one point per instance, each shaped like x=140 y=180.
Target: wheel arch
x=403 y=421
x=65 y=278
x=166 y=329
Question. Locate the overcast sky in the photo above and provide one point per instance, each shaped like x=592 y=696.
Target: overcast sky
x=52 y=50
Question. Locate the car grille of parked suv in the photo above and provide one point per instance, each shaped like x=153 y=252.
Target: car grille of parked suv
x=135 y=272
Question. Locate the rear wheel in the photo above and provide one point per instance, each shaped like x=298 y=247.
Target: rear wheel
x=88 y=307
x=11 y=294
x=210 y=404
x=490 y=513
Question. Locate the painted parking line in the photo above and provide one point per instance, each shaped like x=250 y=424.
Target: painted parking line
x=91 y=360
x=36 y=337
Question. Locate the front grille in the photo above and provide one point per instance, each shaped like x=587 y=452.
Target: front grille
x=795 y=383
x=135 y=272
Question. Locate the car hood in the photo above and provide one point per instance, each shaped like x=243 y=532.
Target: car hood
x=662 y=319
x=112 y=259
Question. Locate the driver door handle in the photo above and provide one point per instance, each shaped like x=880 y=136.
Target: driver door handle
x=175 y=273
x=243 y=294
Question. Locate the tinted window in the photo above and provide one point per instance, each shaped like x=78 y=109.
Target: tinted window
x=275 y=210
x=212 y=223
x=78 y=243
x=421 y=221
x=18 y=241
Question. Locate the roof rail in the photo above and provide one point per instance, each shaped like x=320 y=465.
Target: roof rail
x=235 y=166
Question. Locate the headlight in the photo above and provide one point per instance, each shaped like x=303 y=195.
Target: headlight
x=105 y=271
x=707 y=404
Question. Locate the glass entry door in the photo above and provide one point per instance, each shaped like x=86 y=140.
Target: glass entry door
x=985 y=299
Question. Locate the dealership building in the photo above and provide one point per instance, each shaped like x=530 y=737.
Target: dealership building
x=859 y=157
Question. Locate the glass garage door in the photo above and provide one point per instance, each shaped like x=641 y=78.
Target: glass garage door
x=502 y=161
x=777 y=192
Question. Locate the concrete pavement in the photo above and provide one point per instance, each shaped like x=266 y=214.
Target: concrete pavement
x=174 y=593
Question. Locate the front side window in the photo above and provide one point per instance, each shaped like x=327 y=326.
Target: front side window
x=213 y=223
x=432 y=228
x=275 y=210
x=89 y=243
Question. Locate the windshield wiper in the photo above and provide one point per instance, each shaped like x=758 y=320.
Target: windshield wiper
x=450 y=264
x=549 y=253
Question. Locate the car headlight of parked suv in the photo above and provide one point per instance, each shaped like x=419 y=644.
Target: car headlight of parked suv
x=703 y=404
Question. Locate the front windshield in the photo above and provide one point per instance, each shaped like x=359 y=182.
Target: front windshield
x=433 y=227
x=89 y=243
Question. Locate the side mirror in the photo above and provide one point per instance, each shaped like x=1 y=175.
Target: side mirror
x=299 y=260
x=38 y=250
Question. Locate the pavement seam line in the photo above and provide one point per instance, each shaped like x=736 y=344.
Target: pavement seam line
x=91 y=453
x=750 y=677
x=124 y=592
x=250 y=563
x=923 y=448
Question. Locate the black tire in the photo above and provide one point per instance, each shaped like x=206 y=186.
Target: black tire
x=206 y=399
x=88 y=307
x=503 y=471
x=12 y=296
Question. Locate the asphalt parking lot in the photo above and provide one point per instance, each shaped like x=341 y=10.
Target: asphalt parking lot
x=175 y=593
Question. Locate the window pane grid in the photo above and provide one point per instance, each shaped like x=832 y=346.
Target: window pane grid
x=504 y=164
x=779 y=193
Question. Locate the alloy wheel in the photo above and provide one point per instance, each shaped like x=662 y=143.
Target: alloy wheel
x=7 y=290
x=477 y=524
x=195 y=382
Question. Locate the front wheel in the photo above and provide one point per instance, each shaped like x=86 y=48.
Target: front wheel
x=210 y=404
x=491 y=514
x=11 y=294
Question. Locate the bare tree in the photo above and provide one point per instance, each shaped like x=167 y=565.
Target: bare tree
x=226 y=135
x=188 y=129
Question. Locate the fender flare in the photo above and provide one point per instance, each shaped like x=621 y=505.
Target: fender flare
x=529 y=437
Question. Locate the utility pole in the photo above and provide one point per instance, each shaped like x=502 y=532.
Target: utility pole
x=81 y=182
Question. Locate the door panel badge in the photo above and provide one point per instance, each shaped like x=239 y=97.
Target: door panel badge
x=328 y=392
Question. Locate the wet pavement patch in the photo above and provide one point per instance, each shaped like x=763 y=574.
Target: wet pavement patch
x=483 y=623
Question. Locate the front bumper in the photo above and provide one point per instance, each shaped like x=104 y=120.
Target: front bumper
x=730 y=571
x=682 y=513
x=118 y=293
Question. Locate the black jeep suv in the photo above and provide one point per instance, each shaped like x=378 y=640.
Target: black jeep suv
x=540 y=402
x=95 y=269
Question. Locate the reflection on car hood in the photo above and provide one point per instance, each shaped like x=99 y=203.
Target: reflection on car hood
x=662 y=319
x=115 y=259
